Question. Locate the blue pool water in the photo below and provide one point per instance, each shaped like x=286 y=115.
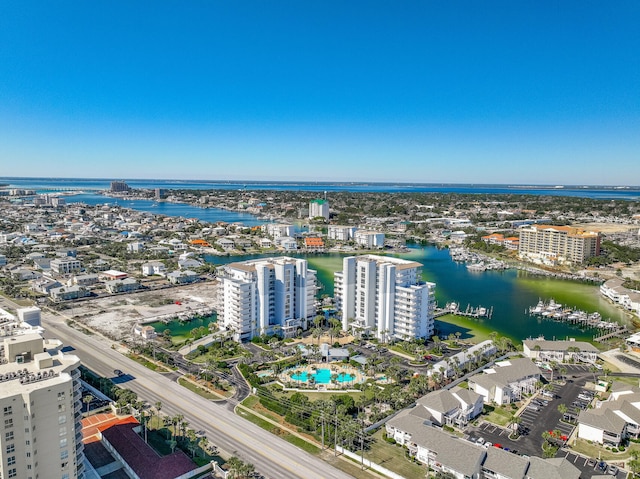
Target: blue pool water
x=322 y=376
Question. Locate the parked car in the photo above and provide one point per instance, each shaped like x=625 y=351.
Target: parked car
x=533 y=407
x=613 y=470
x=480 y=440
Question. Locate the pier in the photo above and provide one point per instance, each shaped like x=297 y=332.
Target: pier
x=469 y=312
x=558 y=312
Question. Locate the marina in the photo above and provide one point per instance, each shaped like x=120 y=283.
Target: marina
x=559 y=312
x=476 y=262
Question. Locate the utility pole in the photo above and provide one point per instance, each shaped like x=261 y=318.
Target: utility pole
x=335 y=439
x=322 y=417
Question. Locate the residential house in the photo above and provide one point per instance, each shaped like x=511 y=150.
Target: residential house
x=463 y=459
x=135 y=247
x=447 y=367
x=369 y=239
x=66 y=293
x=437 y=449
x=288 y=244
x=614 y=420
x=122 y=285
x=183 y=277
x=65 y=265
x=506 y=381
x=455 y=407
x=560 y=351
x=189 y=263
x=314 y=243
x=154 y=268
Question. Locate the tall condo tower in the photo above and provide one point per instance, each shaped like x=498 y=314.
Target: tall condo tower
x=384 y=297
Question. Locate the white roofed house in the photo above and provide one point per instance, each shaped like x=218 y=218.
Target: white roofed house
x=288 y=244
x=506 y=381
x=135 y=247
x=154 y=268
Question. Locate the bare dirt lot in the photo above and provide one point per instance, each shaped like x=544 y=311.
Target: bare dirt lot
x=606 y=227
x=115 y=316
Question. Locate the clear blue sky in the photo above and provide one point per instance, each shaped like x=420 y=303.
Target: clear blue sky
x=534 y=92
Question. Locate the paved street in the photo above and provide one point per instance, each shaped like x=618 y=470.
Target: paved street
x=272 y=456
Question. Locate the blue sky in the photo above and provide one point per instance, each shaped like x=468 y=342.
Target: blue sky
x=469 y=92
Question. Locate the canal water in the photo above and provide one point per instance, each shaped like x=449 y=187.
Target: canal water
x=510 y=293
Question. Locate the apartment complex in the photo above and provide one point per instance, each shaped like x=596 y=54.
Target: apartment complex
x=319 y=208
x=384 y=297
x=557 y=244
x=41 y=403
x=266 y=296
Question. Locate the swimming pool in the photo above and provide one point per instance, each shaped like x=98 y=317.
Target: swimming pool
x=321 y=376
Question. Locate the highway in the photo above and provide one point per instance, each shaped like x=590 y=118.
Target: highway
x=273 y=457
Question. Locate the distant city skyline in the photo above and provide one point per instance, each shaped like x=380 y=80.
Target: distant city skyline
x=416 y=92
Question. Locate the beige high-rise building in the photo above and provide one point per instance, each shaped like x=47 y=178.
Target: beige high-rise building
x=558 y=244
x=40 y=400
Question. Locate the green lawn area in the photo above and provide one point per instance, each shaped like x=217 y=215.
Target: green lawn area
x=393 y=458
x=312 y=395
x=499 y=415
x=200 y=391
x=146 y=363
x=593 y=450
x=273 y=429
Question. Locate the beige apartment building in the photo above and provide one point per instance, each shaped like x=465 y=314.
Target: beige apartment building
x=40 y=400
x=549 y=244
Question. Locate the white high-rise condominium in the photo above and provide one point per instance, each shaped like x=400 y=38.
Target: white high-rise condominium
x=385 y=297
x=266 y=296
x=41 y=403
x=319 y=207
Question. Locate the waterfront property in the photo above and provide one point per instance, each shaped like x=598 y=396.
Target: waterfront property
x=560 y=351
x=265 y=296
x=553 y=245
x=627 y=298
x=384 y=297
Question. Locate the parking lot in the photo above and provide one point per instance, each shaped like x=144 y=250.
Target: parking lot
x=542 y=415
x=590 y=467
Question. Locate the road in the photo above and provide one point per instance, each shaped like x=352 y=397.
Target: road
x=273 y=457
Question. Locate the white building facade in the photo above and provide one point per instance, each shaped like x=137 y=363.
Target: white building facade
x=266 y=296
x=319 y=208
x=41 y=402
x=385 y=297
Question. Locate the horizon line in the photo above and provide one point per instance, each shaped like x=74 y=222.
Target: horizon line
x=334 y=182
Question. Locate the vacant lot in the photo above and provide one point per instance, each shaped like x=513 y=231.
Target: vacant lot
x=115 y=316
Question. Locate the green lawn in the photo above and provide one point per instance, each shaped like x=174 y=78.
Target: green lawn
x=273 y=429
x=595 y=450
x=393 y=458
x=200 y=391
x=499 y=416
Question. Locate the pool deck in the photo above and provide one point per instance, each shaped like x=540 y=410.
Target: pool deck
x=310 y=369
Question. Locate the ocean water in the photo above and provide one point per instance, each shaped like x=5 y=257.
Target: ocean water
x=44 y=185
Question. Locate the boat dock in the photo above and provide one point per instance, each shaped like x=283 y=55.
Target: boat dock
x=469 y=312
x=558 y=312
